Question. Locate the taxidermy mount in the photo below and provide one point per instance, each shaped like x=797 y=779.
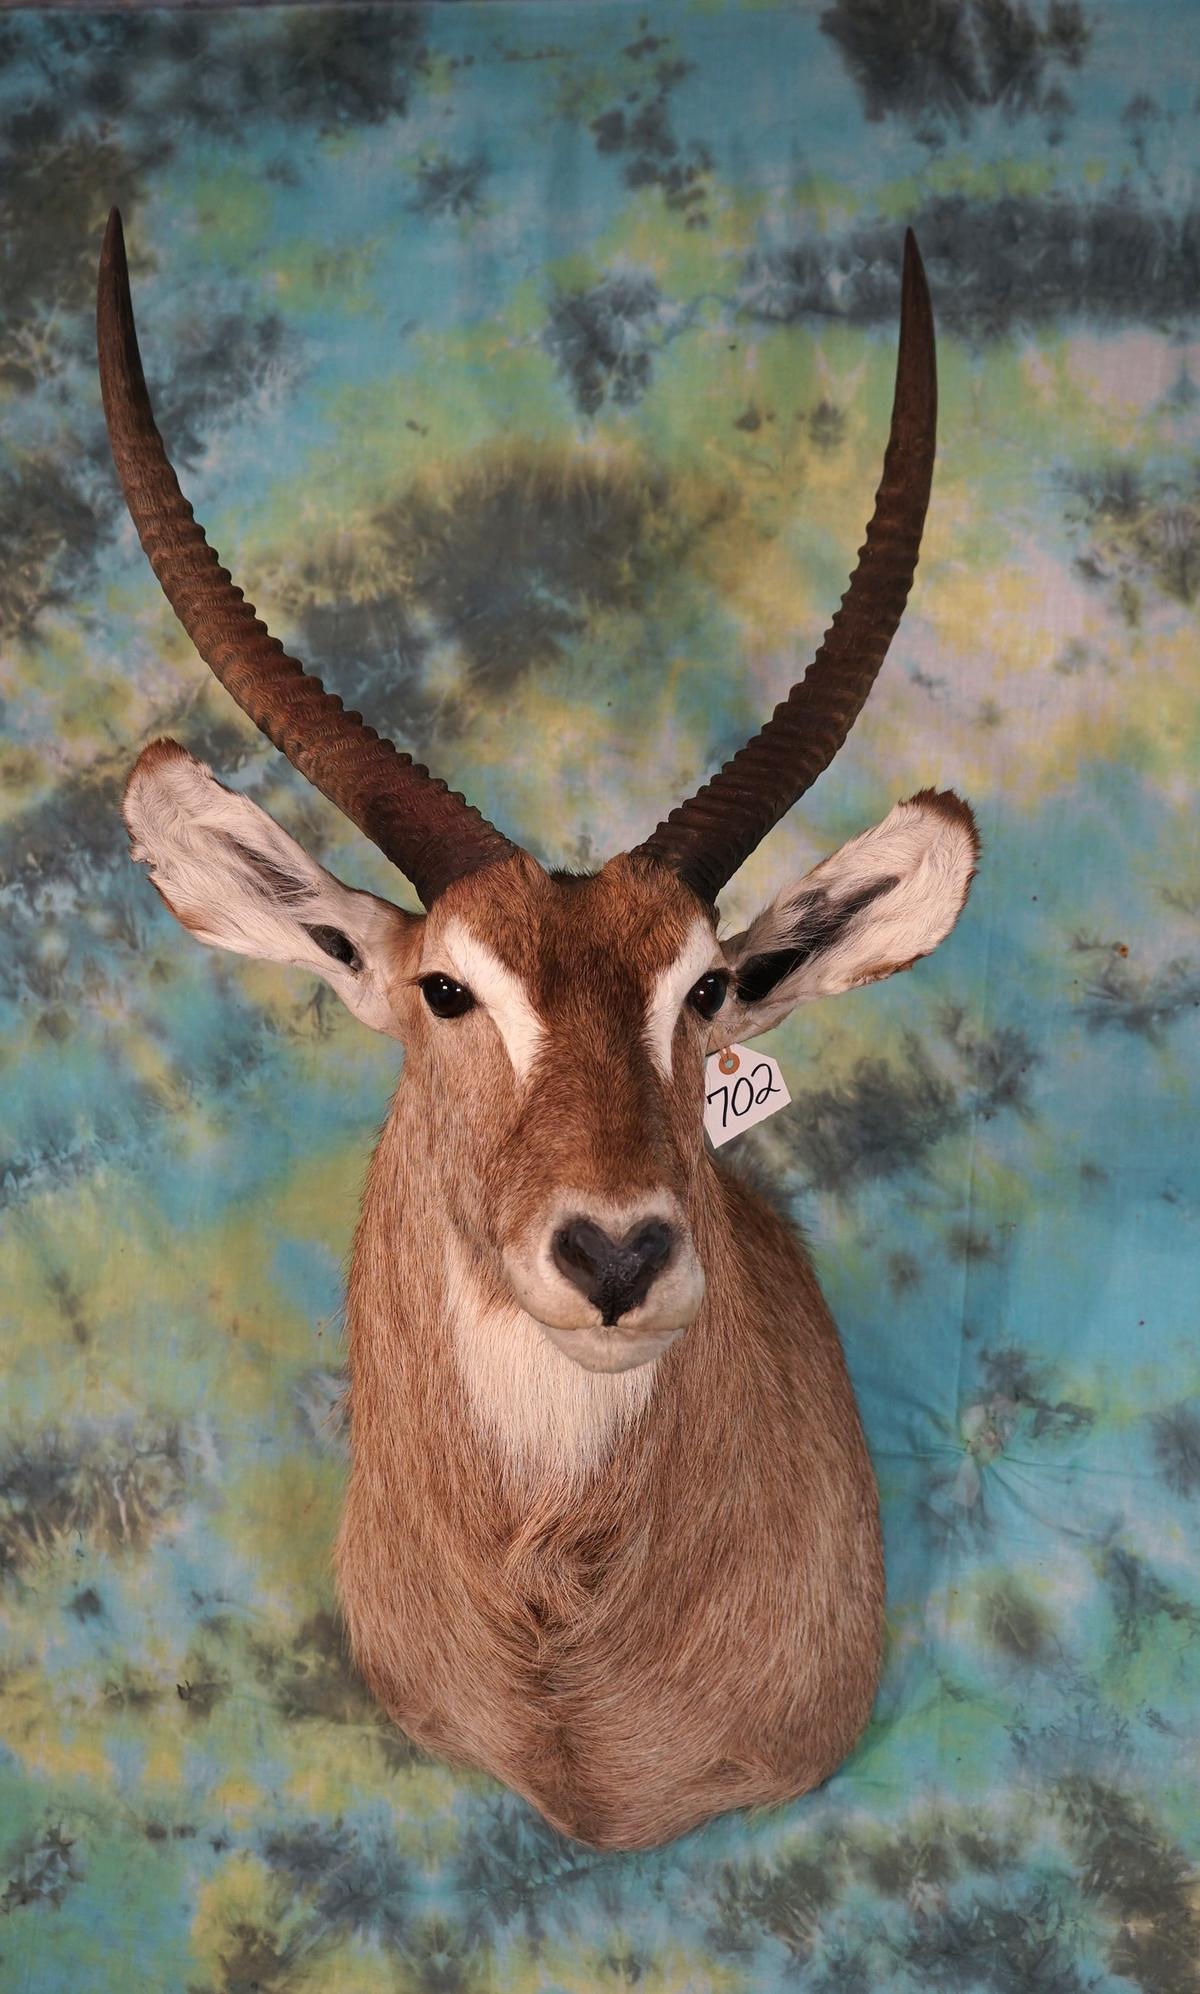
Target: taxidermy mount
x=611 y=1532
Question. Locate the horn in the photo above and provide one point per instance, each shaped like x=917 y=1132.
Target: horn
x=707 y=838
x=431 y=834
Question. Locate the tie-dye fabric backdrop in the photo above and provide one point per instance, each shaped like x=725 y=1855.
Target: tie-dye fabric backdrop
x=531 y=365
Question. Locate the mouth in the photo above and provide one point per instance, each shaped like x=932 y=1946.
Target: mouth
x=578 y=1327
x=596 y=1347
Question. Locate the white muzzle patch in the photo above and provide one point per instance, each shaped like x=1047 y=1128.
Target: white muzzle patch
x=573 y=1321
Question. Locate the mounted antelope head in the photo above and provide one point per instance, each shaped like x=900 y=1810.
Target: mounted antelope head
x=611 y=1529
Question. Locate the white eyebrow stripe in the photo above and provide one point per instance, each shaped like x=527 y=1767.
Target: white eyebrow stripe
x=671 y=985
x=502 y=994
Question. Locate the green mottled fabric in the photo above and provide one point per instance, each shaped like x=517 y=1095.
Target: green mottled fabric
x=530 y=364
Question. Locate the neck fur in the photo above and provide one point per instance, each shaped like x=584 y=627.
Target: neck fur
x=548 y=1417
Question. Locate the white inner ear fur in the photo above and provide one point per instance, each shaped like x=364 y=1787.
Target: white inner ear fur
x=927 y=847
x=237 y=881
x=498 y=989
x=698 y=954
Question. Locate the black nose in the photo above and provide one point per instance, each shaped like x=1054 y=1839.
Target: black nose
x=614 y=1274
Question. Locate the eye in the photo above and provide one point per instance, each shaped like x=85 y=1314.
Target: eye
x=445 y=997
x=708 y=995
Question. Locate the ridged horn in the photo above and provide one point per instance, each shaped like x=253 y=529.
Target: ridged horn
x=707 y=838
x=431 y=834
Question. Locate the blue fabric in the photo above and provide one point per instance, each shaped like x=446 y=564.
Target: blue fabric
x=530 y=366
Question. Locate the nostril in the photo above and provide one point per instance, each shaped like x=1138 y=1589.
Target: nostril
x=651 y=1246
x=615 y=1275
x=582 y=1251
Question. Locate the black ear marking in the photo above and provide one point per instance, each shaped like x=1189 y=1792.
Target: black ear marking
x=818 y=922
x=283 y=884
x=334 y=943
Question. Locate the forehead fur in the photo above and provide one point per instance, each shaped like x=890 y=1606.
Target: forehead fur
x=622 y=925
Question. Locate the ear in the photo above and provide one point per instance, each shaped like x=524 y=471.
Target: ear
x=230 y=874
x=886 y=899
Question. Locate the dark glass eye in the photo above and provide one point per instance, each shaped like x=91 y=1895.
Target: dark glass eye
x=445 y=998
x=708 y=995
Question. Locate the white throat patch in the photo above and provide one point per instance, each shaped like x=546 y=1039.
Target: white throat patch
x=502 y=994
x=549 y=1416
x=671 y=986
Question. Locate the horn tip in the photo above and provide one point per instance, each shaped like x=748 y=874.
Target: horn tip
x=114 y=233
x=913 y=275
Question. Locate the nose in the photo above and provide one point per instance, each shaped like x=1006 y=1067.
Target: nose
x=614 y=1274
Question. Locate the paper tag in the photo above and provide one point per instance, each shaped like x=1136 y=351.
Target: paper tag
x=740 y=1088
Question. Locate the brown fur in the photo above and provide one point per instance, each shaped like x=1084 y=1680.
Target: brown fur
x=694 y=1623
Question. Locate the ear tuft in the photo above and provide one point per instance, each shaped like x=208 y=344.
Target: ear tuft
x=945 y=803
x=959 y=842
x=165 y=786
